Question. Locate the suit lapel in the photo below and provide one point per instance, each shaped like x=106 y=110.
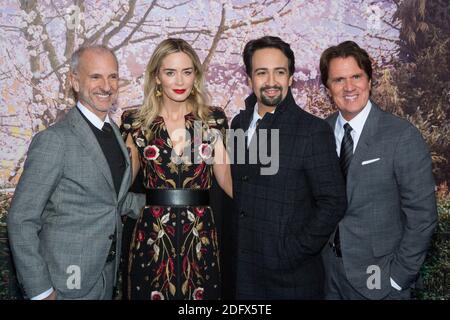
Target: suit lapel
x=88 y=141
x=332 y=120
x=268 y=119
x=367 y=136
x=127 y=173
x=246 y=116
x=365 y=141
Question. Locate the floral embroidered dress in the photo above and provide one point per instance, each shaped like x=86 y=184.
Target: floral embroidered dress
x=174 y=252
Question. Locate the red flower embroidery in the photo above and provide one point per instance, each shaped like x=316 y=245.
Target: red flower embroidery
x=161 y=268
x=204 y=183
x=199 y=211
x=159 y=170
x=199 y=168
x=186 y=227
x=141 y=236
x=198 y=294
x=151 y=152
x=159 y=142
x=171 y=230
x=157 y=211
x=171 y=267
x=156 y=295
x=205 y=151
x=195 y=266
x=185 y=263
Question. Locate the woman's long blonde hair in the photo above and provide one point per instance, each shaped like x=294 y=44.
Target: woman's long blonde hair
x=152 y=104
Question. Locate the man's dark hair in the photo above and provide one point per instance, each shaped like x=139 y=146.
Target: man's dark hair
x=267 y=42
x=343 y=50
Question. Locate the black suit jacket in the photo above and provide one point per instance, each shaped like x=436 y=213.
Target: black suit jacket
x=282 y=221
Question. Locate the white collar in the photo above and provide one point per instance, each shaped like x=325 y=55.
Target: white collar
x=357 y=123
x=256 y=112
x=92 y=117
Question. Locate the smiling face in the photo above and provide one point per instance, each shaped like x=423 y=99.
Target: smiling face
x=96 y=81
x=270 y=78
x=348 y=85
x=176 y=77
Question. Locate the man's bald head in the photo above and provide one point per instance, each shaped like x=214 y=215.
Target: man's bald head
x=94 y=77
x=77 y=55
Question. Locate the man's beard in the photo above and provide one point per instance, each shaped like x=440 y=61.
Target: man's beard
x=274 y=101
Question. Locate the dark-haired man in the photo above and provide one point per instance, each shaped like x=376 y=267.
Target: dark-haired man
x=283 y=216
x=380 y=245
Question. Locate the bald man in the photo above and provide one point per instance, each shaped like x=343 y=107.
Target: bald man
x=64 y=222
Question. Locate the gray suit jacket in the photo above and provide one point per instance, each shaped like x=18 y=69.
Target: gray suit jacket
x=391 y=213
x=65 y=209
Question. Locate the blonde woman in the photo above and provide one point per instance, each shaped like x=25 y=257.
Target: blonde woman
x=176 y=139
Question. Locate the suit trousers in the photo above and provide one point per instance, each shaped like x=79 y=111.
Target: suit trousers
x=337 y=287
x=103 y=288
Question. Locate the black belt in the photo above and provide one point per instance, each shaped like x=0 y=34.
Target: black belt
x=177 y=197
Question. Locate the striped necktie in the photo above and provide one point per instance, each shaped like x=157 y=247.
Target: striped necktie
x=346 y=149
x=344 y=159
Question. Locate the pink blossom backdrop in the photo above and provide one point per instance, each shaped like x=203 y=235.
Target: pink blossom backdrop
x=38 y=37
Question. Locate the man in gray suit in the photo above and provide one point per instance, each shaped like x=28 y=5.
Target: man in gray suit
x=381 y=243
x=64 y=222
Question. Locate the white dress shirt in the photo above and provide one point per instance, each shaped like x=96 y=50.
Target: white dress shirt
x=357 y=124
x=98 y=123
x=92 y=117
x=252 y=127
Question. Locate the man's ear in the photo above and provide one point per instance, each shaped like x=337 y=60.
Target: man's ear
x=249 y=81
x=73 y=78
x=291 y=79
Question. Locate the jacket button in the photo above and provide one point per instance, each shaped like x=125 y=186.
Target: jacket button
x=245 y=178
x=242 y=214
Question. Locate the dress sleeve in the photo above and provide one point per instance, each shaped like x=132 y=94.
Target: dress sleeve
x=219 y=121
x=126 y=123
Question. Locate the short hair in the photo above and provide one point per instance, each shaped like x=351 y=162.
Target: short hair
x=76 y=56
x=267 y=42
x=343 y=50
